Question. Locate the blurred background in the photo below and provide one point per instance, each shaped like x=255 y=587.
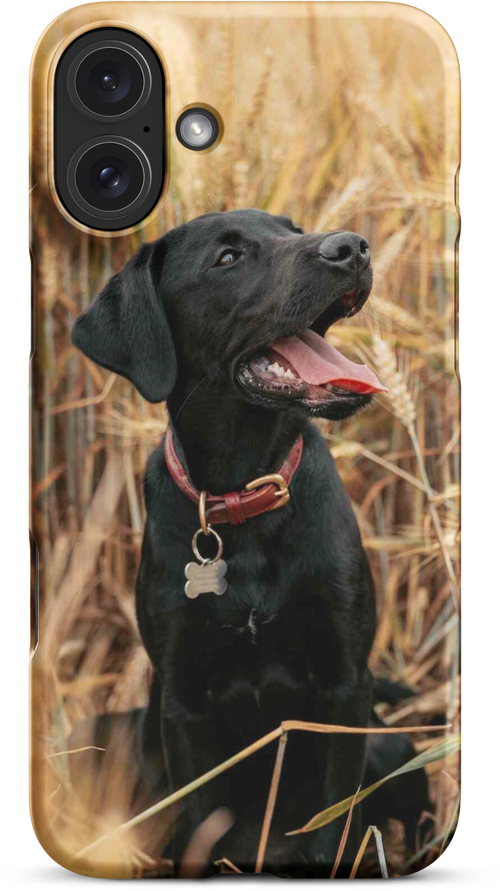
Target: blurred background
x=340 y=118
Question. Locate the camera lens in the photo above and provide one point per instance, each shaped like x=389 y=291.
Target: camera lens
x=109 y=79
x=109 y=177
x=197 y=129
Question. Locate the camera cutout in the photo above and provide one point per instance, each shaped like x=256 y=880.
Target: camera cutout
x=197 y=129
x=109 y=93
x=110 y=78
x=108 y=174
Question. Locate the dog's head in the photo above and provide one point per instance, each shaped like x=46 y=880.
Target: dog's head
x=244 y=299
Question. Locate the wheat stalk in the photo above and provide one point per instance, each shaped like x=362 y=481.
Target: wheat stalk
x=240 y=183
x=399 y=396
x=262 y=90
x=396 y=314
x=404 y=408
x=392 y=248
x=395 y=140
x=342 y=208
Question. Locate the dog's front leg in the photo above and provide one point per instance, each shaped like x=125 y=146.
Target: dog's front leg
x=345 y=764
x=190 y=750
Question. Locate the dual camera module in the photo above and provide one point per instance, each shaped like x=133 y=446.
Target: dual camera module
x=109 y=129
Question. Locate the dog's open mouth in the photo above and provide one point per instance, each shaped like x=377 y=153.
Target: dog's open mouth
x=305 y=366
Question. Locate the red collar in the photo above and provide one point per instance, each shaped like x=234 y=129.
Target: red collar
x=261 y=495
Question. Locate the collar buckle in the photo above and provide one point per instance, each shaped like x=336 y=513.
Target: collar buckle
x=282 y=494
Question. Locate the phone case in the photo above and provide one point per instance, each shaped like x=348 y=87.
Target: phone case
x=262 y=709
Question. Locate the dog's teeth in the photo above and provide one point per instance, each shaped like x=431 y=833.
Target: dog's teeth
x=329 y=387
x=276 y=369
x=279 y=371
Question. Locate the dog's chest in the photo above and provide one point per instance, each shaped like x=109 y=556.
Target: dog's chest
x=250 y=626
x=258 y=646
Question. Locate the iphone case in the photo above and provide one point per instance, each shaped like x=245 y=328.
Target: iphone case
x=228 y=723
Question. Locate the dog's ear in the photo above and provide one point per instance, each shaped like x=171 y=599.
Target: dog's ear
x=126 y=329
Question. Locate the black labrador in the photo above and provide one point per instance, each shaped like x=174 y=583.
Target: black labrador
x=224 y=319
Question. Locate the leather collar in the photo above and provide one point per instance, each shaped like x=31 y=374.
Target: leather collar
x=258 y=497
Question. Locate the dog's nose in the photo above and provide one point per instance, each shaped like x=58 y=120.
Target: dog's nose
x=345 y=250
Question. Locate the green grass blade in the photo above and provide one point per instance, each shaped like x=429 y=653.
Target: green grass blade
x=443 y=749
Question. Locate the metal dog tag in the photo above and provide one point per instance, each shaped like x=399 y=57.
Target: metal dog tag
x=207 y=576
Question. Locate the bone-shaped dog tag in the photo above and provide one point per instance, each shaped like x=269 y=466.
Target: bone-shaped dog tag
x=207 y=578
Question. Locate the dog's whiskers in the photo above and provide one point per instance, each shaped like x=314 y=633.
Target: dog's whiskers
x=188 y=397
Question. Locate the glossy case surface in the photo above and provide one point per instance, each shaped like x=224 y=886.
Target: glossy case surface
x=340 y=116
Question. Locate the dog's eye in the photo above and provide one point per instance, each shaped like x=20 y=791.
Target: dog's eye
x=228 y=258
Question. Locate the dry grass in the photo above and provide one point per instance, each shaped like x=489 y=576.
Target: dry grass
x=359 y=140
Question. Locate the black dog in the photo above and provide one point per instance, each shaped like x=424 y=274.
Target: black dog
x=223 y=319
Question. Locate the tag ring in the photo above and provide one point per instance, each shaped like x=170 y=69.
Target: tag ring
x=196 y=552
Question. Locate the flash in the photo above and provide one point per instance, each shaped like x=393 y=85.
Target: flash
x=197 y=129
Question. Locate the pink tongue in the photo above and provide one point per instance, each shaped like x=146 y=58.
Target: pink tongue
x=316 y=362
